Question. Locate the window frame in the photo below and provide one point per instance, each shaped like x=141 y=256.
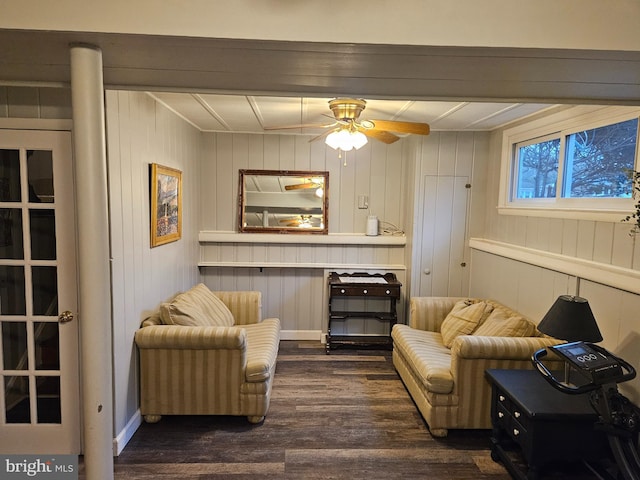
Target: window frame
x=559 y=125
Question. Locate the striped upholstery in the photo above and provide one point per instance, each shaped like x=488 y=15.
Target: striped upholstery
x=210 y=370
x=261 y=356
x=428 y=313
x=505 y=323
x=429 y=359
x=463 y=320
x=198 y=306
x=246 y=307
x=426 y=366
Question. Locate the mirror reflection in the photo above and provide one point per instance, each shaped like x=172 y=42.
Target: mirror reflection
x=284 y=201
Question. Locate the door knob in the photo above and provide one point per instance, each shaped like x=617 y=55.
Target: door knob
x=65 y=317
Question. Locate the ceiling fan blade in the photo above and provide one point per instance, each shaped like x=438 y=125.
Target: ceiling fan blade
x=385 y=137
x=336 y=121
x=322 y=135
x=302 y=125
x=300 y=186
x=400 y=127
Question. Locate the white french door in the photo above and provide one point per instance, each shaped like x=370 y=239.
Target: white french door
x=39 y=410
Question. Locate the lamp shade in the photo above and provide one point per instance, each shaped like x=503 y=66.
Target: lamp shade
x=570 y=318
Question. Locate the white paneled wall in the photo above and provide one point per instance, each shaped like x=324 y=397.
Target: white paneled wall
x=602 y=242
x=376 y=170
x=140 y=132
x=393 y=177
x=32 y=102
x=536 y=259
x=617 y=314
x=447 y=211
x=297 y=294
x=531 y=290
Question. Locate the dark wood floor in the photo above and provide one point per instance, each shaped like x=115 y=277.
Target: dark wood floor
x=341 y=416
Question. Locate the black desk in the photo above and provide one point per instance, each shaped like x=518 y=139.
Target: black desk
x=362 y=285
x=531 y=417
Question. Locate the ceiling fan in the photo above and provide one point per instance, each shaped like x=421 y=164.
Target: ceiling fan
x=303 y=221
x=346 y=113
x=307 y=183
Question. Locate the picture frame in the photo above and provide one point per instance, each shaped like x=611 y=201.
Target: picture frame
x=166 y=205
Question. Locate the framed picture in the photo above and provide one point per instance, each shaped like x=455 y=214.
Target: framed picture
x=166 y=205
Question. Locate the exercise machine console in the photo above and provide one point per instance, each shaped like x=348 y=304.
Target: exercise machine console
x=600 y=372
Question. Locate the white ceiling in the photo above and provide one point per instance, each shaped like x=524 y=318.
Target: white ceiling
x=240 y=113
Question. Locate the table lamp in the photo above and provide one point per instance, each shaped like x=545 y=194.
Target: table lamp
x=570 y=318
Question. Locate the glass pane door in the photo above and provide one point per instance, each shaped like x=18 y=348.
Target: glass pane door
x=33 y=369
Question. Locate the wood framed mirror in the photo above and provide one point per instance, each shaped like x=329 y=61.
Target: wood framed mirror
x=284 y=201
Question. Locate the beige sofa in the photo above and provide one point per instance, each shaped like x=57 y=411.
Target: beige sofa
x=443 y=353
x=208 y=353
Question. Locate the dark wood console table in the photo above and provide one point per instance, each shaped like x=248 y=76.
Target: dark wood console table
x=531 y=418
x=380 y=286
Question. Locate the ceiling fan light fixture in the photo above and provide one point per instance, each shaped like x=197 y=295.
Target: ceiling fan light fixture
x=346 y=140
x=347 y=108
x=358 y=140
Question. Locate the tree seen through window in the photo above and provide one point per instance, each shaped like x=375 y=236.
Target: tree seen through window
x=598 y=161
x=597 y=164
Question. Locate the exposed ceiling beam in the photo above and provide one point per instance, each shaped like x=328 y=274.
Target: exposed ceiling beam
x=327 y=69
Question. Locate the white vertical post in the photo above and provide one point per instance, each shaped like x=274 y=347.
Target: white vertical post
x=87 y=96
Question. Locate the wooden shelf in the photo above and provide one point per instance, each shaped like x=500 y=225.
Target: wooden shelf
x=207 y=236
x=325 y=266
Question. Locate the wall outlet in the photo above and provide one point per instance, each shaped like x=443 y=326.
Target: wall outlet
x=363 y=201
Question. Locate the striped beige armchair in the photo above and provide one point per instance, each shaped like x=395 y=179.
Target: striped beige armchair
x=441 y=357
x=208 y=353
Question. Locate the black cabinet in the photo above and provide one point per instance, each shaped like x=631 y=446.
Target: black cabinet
x=540 y=423
x=344 y=286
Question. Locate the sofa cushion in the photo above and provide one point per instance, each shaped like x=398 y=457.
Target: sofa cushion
x=464 y=318
x=427 y=357
x=197 y=307
x=503 y=322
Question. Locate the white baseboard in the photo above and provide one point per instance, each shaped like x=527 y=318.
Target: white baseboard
x=126 y=433
x=316 y=335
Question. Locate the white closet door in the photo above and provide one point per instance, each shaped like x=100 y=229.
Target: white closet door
x=443 y=231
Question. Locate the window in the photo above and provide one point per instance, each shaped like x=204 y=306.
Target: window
x=537 y=167
x=598 y=161
x=576 y=164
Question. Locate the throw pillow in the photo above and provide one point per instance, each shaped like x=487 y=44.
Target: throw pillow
x=463 y=319
x=502 y=323
x=197 y=307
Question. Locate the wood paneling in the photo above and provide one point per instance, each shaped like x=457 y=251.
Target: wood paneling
x=376 y=171
x=141 y=132
x=531 y=290
x=603 y=242
x=35 y=102
x=613 y=259
x=297 y=295
x=386 y=174
x=447 y=163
